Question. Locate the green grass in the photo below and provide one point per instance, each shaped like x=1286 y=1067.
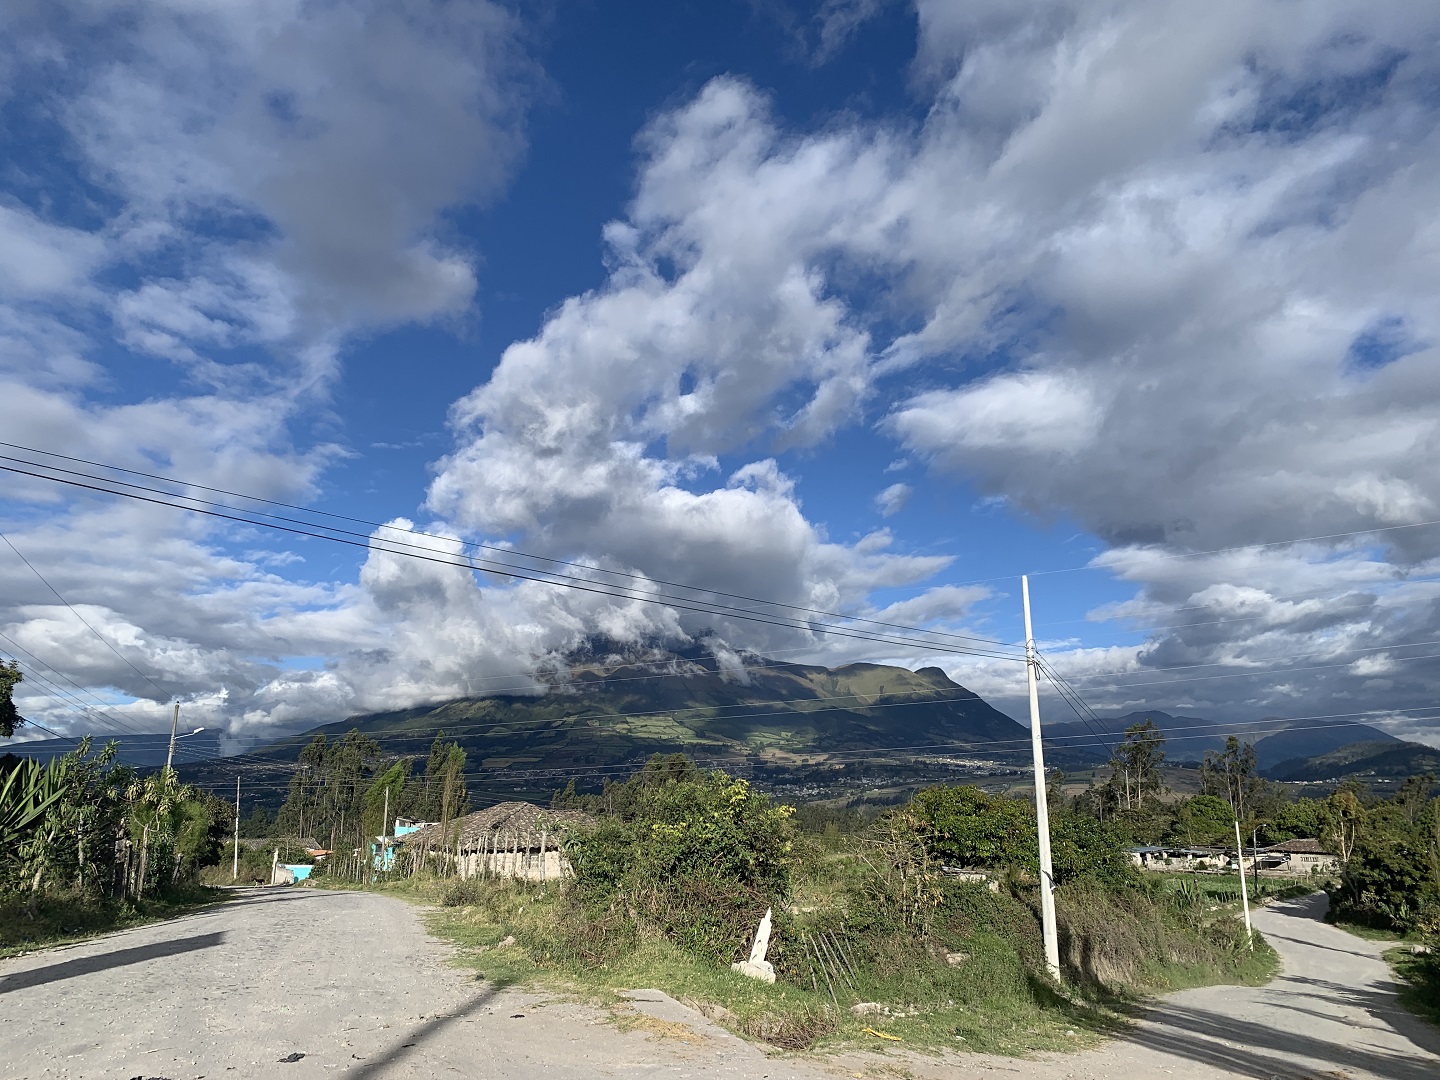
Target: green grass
x=1369 y=933
x=992 y=1003
x=63 y=919
x=997 y=1007
x=1419 y=981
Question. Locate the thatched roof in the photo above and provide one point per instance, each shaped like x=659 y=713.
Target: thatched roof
x=521 y=822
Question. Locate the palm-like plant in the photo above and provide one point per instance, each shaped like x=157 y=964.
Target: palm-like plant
x=26 y=795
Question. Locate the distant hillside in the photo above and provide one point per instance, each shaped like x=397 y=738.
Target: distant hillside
x=616 y=710
x=1388 y=759
x=1189 y=737
x=145 y=751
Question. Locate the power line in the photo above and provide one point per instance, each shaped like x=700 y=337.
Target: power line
x=509 y=551
x=105 y=641
x=561 y=581
x=1256 y=660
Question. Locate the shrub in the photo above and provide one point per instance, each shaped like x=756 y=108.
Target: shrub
x=695 y=860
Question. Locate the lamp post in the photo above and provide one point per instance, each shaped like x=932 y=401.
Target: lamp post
x=170 y=755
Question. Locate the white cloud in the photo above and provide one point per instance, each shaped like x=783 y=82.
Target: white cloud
x=1139 y=252
x=893 y=499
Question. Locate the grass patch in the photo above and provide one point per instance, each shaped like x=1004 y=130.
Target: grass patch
x=513 y=934
x=1419 y=981
x=1368 y=933
x=977 y=992
x=67 y=918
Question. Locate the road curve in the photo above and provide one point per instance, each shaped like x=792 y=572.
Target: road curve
x=1331 y=1014
x=351 y=982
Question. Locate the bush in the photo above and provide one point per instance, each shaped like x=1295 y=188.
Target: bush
x=695 y=860
x=963 y=826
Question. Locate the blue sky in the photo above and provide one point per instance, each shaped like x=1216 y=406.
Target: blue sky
x=855 y=304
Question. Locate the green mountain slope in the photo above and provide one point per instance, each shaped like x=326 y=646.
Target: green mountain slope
x=1374 y=760
x=609 y=714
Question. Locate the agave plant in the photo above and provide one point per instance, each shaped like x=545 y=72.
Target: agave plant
x=25 y=796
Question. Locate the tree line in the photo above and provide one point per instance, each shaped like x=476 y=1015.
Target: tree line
x=1388 y=848
x=343 y=790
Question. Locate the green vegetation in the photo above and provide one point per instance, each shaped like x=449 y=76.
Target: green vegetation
x=66 y=916
x=339 y=794
x=606 y=712
x=1391 y=878
x=680 y=866
x=1420 y=981
x=10 y=718
x=87 y=845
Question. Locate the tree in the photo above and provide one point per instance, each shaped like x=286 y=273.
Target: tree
x=387 y=790
x=1135 y=766
x=1300 y=818
x=327 y=791
x=964 y=826
x=1342 y=817
x=440 y=792
x=10 y=677
x=1204 y=821
x=1231 y=775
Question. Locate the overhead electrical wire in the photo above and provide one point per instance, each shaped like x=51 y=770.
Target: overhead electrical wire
x=1063 y=686
x=519 y=779
x=561 y=581
x=488 y=565
x=82 y=618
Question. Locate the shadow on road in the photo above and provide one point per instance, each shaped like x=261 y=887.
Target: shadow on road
x=425 y=1032
x=1271 y=935
x=1256 y=1050
x=87 y=965
x=1267 y=1050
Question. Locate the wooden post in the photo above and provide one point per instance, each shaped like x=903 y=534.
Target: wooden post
x=543 y=838
x=274 y=862
x=144 y=851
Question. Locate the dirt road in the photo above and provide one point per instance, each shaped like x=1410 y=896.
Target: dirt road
x=350 y=981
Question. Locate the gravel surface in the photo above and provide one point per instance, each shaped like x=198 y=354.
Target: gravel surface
x=351 y=983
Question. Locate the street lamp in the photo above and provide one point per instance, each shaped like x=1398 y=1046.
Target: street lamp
x=170 y=755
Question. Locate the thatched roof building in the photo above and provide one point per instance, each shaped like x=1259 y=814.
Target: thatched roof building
x=519 y=824
x=508 y=840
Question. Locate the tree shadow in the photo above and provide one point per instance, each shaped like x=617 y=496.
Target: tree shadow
x=1262 y=1052
x=1271 y=934
x=425 y=1032
x=88 y=965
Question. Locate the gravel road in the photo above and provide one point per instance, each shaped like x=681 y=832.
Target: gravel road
x=351 y=982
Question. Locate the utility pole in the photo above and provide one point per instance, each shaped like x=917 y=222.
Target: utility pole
x=235 y=862
x=385 y=820
x=1244 y=899
x=1042 y=809
x=174 y=722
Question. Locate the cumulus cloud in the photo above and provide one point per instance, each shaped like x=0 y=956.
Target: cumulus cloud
x=1164 y=272
x=238 y=190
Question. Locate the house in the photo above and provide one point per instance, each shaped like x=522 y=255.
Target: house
x=1305 y=856
x=510 y=839
x=382 y=848
x=1171 y=857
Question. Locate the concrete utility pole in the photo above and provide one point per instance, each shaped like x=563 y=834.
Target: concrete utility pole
x=235 y=862
x=1244 y=899
x=1042 y=809
x=170 y=756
